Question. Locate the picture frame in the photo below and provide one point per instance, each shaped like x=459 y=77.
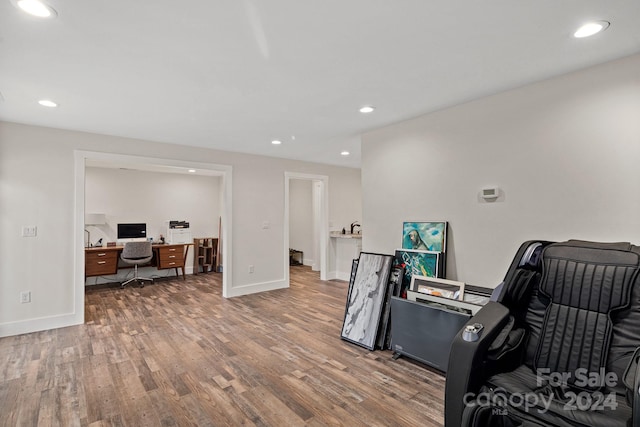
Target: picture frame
x=439 y=287
x=425 y=235
x=383 y=341
x=421 y=263
x=477 y=294
x=366 y=299
x=352 y=278
x=395 y=279
x=444 y=303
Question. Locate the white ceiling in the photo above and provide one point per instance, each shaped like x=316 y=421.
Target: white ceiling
x=235 y=74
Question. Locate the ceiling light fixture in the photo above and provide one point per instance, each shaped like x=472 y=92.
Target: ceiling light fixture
x=591 y=28
x=192 y=171
x=276 y=142
x=345 y=153
x=47 y=103
x=36 y=8
x=367 y=109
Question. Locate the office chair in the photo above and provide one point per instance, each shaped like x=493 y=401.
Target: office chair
x=560 y=346
x=136 y=253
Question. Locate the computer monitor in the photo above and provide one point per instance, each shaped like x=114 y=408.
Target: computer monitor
x=132 y=231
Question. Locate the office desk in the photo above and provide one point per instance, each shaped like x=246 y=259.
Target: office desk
x=104 y=261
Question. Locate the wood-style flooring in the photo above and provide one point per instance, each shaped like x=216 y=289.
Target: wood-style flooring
x=175 y=353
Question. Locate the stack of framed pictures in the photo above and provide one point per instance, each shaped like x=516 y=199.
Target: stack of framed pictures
x=423 y=252
x=366 y=316
x=445 y=293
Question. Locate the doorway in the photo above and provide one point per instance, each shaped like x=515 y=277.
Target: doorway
x=84 y=158
x=317 y=205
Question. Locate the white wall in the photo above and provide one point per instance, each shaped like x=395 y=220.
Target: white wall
x=152 y=198
x=565 y=152
x=301 y=218
x=347 y=198
x=37 y=187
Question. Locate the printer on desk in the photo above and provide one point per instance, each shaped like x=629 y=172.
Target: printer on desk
x=178 y=232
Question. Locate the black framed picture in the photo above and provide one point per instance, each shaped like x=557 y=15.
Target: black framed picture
x=395 y=282
x=366 y=298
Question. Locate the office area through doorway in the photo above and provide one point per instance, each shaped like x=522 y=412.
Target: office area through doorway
x=138 y=166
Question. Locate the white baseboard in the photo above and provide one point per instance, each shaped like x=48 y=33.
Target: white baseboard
x=39 y=324
x=338 y=275
x=256 y=287
x=341 y=275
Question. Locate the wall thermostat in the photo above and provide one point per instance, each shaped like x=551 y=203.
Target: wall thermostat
x=489 y=193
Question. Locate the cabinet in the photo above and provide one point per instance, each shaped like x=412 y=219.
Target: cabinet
x=172 y=256
x=205 y=255
x=100 y=261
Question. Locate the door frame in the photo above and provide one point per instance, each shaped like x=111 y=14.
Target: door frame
x=80 y=159
x=321 y=214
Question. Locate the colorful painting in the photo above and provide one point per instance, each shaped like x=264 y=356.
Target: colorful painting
x=424 y=236
x=420 y=263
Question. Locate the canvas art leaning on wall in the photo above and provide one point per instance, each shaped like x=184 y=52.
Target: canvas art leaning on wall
x=424 y=236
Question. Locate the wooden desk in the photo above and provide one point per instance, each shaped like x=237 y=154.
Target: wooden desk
x=104 y=261
x=101 y=261
x=172 y=256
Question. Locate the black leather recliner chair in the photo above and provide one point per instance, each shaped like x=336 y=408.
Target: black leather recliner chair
x=559 y=347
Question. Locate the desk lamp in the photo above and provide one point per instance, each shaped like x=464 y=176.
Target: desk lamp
x=93 y=219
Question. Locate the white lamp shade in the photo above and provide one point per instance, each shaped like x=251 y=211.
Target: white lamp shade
x=94 y=219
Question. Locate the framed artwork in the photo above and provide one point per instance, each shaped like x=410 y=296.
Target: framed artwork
x=420 y=263
x=438 y=287
x=366 y=299
x=384 y=335
x=444 y=303
x=395 y=280
x=352 y=278
x=425 y=236
x=477 y=294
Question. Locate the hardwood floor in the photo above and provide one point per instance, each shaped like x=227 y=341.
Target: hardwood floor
x=176 y=353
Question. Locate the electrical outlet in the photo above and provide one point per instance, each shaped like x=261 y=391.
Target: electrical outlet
x=25 y=297
x=29 y=231
x=251 y=269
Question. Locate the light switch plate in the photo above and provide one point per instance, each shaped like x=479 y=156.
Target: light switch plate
x=29 y=231
x=25 y=297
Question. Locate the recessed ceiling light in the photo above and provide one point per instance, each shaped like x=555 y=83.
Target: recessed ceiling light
x=192 y=171
x=36 y=8
x=591 y=28
x=276 y=142
x=345 y=153
x=367 y=109
x=47 y=103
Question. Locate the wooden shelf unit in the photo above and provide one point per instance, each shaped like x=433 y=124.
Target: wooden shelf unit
x=205 y=254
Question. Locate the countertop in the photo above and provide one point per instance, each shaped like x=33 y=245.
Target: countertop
x=339 y=235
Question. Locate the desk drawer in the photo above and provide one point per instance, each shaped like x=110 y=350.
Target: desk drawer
x=97 y=263
x=171 y=257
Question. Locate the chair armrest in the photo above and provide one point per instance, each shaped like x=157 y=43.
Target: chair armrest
x=467 y=357
x=631 y=379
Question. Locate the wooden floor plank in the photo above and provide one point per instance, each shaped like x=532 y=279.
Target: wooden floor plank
x=176 y=353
